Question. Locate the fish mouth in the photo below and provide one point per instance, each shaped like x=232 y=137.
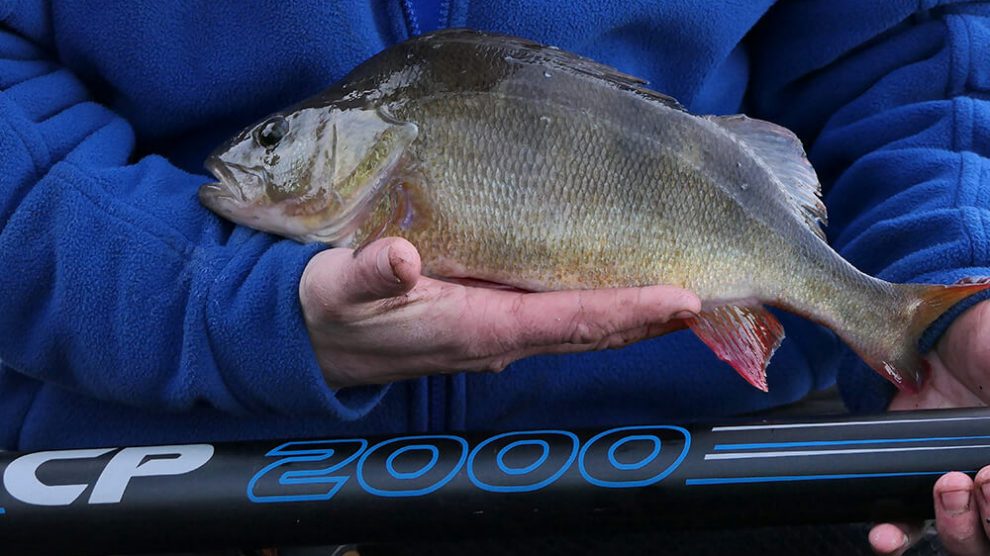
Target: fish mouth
x=234 y=181
x=215 y=195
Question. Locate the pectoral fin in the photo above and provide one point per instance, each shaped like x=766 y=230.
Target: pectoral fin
x=743 y=337
x=394 y=211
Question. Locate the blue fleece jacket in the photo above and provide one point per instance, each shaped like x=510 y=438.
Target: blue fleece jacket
x=131 y=314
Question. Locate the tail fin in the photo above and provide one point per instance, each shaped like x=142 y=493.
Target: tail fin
x=935 y=301
x=904 y=365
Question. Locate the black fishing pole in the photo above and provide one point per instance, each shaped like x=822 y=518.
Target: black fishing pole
x=444 y=486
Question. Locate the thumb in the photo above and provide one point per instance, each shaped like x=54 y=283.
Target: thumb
x=340 y=277
x=894 y=538
x=385 y=268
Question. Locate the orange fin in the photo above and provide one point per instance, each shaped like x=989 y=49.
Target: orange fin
x=904 y=364
x=743 y=337
x=936 y=300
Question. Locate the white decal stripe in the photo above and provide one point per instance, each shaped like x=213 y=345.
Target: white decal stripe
x=845 y=424
x=800 y=453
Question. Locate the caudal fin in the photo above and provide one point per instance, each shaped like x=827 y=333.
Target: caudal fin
x=902 y=363
x=937 y=300
x=886 y=337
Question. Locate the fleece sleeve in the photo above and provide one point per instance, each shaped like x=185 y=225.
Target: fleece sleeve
x=116 y=283
x=893 y=99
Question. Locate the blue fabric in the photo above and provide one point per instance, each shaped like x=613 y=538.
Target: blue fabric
x=893 y=99
x=424 y=16
x=131 y=314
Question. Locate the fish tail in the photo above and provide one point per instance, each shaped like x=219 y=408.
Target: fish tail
x=903 y=363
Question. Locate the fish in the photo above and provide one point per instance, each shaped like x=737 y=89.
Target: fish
x=510 y=163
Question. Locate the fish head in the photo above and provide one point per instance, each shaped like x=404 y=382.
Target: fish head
x=310 y=174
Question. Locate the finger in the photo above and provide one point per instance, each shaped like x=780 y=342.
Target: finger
x=386 y=268
x=957 y=516
x=523 y=321
x=966 y=353
x=617 y=340
x=893 y=538
x=981 y=493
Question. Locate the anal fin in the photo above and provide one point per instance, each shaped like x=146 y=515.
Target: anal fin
x=744 y=337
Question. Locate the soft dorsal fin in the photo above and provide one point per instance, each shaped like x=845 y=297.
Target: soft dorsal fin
x=783 y=153
x=526 y=50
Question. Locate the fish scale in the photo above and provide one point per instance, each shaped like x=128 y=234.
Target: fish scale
x=517 y=164
x=601 y=201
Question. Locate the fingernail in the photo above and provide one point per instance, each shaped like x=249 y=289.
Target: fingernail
x=955 y=501
x=904 y=541
x=685 y=315
x=385 y=265
x=985 y=491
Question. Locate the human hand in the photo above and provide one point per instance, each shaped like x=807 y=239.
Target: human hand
x=960 y=377
x=373 y=318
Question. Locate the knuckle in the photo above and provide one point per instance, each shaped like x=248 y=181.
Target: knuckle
x=962 y=537
x=475 y=344
x=585 y=332
x=612 y=341
x=495 y=366
x=623 y=339
x=517 y=305
x=966 y=537
x=591 y=327
x=580 y=334
x=474 y=350
x=506 y=327
x=322 y=301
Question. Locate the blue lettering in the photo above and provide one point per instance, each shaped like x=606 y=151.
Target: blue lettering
x=378 y=473
x=526 y=472
x=296 y=480
x=614 y=459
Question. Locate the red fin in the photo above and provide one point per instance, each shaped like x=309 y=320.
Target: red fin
x=905 y=376
x=744 y=337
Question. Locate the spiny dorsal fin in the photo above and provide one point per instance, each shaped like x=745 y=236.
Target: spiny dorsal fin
x=531 y=51
x=783 y=153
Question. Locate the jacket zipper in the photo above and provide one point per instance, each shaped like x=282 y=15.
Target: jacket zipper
x=413 y=22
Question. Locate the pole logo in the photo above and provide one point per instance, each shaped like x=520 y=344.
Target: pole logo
x=524 y=461
x=21 y=481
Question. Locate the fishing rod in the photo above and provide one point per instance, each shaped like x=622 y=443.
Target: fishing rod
x=442 y=486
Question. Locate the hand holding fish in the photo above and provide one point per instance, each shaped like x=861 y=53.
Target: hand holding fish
x=960 y=377
x=373 y=318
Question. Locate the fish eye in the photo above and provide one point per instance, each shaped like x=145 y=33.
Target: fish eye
x=271 y=132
